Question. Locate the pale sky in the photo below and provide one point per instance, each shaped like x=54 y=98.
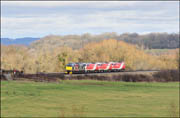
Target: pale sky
x=42 y=18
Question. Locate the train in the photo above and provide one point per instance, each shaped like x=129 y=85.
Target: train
x=95 y=67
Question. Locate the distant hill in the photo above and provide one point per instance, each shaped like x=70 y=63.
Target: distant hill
x=22 y=41
x=147 y=41
x=150 y=41
x=53 y=41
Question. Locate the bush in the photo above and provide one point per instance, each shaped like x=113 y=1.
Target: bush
x=167 y=75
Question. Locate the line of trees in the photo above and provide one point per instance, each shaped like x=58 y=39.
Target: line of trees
x=54 y=60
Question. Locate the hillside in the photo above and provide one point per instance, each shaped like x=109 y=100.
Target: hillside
x=148 y=41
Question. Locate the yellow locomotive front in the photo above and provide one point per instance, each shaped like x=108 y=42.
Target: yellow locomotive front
x=69 y=68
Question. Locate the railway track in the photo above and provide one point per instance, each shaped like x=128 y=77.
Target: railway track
x=108 y=76
x=113 y=73
x=62 y=74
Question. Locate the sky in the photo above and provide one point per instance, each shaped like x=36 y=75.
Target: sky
x=41 y=18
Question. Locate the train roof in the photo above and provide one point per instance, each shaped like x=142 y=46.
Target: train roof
x=71 y=63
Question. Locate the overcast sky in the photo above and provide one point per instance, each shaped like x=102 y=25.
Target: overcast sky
x=41 y=18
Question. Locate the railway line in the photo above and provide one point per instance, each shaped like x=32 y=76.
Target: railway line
x=108 y=76
x=114 y=73
x=64 y=75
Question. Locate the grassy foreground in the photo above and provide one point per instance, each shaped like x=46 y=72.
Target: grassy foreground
x=88 y=98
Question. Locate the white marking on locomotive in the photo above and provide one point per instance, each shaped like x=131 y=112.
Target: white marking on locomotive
x=121 y=65
x=95 y=66
x=108 y=66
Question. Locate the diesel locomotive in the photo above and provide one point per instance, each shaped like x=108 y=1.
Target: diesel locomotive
x=95 y=67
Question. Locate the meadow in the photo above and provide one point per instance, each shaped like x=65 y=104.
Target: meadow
x=89 y=98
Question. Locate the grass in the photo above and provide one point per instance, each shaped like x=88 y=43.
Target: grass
x=89 y=98
x=159 y=51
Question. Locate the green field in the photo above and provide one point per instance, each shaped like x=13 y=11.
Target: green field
x=88 y=98
x=159 y=51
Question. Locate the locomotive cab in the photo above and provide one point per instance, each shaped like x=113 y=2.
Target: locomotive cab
x=75 y=68
x=69 y=67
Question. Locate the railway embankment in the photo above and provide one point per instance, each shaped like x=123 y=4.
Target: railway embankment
x=127 y=76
